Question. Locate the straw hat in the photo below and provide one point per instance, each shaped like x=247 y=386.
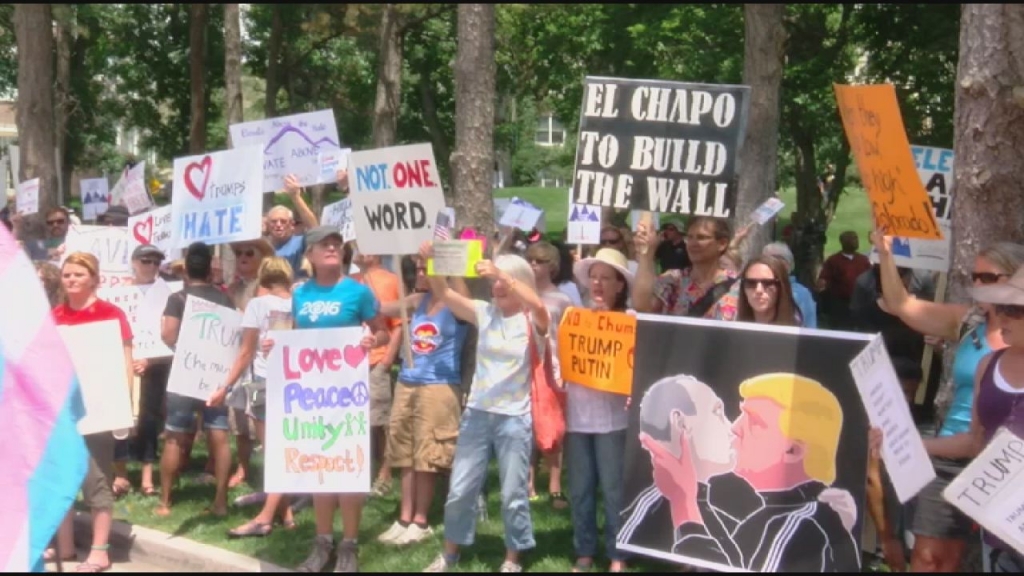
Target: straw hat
x=1010 y=292
x=260 y=244
x=609 y=256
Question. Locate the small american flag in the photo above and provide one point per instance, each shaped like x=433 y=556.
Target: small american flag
x=442 y=228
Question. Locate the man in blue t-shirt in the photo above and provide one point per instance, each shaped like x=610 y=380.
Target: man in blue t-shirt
x=281 y=224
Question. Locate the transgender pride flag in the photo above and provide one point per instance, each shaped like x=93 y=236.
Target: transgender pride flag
x=43 y=458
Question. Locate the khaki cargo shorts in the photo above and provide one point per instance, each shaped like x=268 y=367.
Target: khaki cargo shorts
x=424 y=426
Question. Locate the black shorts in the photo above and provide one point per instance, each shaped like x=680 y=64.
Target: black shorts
x=933 y=517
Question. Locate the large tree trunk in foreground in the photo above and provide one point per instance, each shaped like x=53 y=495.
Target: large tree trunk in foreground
x=33 y=30
x=389 y=79
x=64 y=15
x=473 y=160
x=198 y=15
x=762 y=70
x=989 y=136
x=233 y=94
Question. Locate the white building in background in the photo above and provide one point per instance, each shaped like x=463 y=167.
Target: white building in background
x=550 y=133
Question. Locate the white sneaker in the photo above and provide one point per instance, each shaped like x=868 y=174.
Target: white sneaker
x=393 y=533
x=439 y=565
x=414 y=534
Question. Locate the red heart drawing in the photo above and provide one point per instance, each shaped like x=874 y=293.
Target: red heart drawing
x=203 y=167
x=143 y=230
x=354 y=355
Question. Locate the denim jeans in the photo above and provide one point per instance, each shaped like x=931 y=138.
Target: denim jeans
x=511 y=439
x=595 y=460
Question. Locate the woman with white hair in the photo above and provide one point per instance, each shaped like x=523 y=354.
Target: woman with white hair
x=498 y=411
x=801 y=295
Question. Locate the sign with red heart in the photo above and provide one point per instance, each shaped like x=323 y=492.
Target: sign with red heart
x=153 y=227
x=216 y=198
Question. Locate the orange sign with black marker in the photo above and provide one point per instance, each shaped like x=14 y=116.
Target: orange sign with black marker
x=899 y=203
x=595 y=349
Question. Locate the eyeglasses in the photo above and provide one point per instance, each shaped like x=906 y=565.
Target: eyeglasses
x=60 y=222
x=987 y=277
x=766 y=283
x=247 y=253
x=280 y=221
x=1011 y=311
x=148 y=261
x=610 y=241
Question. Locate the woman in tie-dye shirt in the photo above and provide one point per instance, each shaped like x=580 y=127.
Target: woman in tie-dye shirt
x=686 y=292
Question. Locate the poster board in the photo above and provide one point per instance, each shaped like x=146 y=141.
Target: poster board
x=97 y=352
x=318 y=413
x=706 y=435
x=660 y=146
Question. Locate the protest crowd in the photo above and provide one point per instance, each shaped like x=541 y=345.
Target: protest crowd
x=438 y=381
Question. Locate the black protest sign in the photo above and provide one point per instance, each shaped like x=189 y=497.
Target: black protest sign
x=660 y=146
x=733 y=449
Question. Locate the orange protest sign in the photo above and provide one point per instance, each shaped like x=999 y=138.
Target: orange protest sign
x=874 y=127
x=595 y=349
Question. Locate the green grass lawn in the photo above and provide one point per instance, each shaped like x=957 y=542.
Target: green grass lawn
x=552 y=529
x=853 y=213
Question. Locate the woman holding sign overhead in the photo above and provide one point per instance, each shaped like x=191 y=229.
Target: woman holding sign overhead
x=706 y=289
x=330 y=299
x=498 y=413
x=595 y=424
x=80 y=275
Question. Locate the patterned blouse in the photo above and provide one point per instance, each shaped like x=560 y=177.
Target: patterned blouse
x=677 y=291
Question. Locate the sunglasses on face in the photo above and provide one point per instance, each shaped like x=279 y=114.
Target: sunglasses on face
x=148 y=261
x=249 y=253
x=766 y=283
x=538 y=262
x=60 y=222
x=610 y=241
x=987 y=277
x=1010 y=311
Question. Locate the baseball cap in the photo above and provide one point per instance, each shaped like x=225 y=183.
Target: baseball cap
x=321 y=233
x=115 y=214
x=147 y=250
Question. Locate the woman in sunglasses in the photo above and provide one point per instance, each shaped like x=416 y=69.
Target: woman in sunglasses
x=766 y=296
x=940 y=530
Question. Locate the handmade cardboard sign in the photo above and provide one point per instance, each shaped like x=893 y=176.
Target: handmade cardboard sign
x=660 y=146
x=217 y=197
x=903 y=451
x=595 y=349
x=294 y=144
x=396 y=195
x=26 y=197
x=339 y=214
x=111 y=245
x=95 y=197
x=318 y=413
x=455 y=258
x=97 y=351
x=208 y=343
x=874 y=127
x=155 y=227
x=990 y=490
x=746 y=449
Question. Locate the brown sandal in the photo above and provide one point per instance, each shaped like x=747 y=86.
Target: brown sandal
x=251 y=528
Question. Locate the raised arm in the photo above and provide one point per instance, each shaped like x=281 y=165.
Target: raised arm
x=525 y=293
x=929 y=318
x=291 y=186
x=460 y=305
x=394 y=309
x=646 y=242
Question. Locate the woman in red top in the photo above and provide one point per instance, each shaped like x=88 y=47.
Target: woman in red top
x=80 y=277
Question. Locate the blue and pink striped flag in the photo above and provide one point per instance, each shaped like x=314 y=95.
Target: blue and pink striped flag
x=43 y=458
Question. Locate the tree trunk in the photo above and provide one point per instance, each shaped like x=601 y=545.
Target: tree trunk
x=808 y=220
x=389 y=79
x=63 y=14
x=764 y=46
x=198 y=15
x=273 y=78
x=473 y=160
x=438 y=139
x=233 y=64
x=33 y=30
x=989 y=136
